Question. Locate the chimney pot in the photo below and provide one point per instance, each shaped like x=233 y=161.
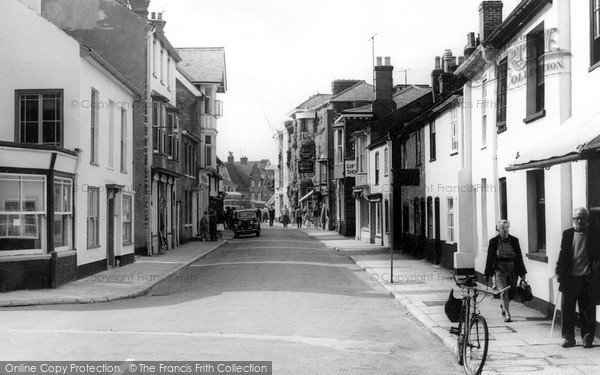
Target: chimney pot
x=387 y=61
x=438 y=63
x=160 y=15
x=153 y=15
x=378 y=58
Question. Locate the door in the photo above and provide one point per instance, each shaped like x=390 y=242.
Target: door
x=110 y=227
x=594 y=193
x=438 y=244
x=372 y=221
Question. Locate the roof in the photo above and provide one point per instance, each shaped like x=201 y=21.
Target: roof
x=86 y=51
x=361 y=91
x=238 y=177
x=410 y=94
x=204 y=65
x=565 y=143
x=314 y=101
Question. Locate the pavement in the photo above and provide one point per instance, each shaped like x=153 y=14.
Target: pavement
x=130 y=281
x=524 y=346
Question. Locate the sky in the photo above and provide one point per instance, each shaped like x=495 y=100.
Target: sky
x=280 y=52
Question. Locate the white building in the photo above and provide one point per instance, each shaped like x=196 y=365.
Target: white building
x=66 y=181
x=205 y=69
x=538 y=146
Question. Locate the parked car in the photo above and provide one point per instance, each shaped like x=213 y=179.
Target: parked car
x=246 y=223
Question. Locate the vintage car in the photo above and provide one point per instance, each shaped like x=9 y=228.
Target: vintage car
x=246 y=223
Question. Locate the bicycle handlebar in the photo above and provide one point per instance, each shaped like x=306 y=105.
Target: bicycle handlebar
x=470 y=283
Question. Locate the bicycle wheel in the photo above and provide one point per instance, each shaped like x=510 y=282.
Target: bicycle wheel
x=460 y=339
x=475 y=346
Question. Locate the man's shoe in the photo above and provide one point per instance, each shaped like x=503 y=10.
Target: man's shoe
x=568 y=343
x=588 y=340
x=588 y=344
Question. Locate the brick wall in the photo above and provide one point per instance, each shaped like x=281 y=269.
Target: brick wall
x=24 y=274
x=63 y=269
x=490 y=17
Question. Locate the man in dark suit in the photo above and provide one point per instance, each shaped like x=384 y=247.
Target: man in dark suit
x=577 y=261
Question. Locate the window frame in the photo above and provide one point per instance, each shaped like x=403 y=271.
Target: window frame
x=432 y=141
x=386 y=162
x=377 y=168
x=93 y=217
x=123 y=141
x=127 y=220
x=41 y=219
x=484 y=113
x=454 y=130
x=594 y=34
x=94 y=125
x=536 y=92
x=501 y=95
x=19 y=112
x=66 y=185
x=450 y=225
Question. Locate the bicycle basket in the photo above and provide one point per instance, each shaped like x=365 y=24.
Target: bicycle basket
x=453 y=307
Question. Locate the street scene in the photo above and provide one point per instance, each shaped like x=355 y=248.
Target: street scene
x=315 y=187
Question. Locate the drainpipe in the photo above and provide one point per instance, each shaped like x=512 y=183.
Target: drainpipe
x=149 y=148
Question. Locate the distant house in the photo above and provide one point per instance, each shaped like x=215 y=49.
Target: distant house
x=251 y=178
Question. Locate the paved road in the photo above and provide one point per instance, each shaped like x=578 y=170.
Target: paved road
x=281 y=297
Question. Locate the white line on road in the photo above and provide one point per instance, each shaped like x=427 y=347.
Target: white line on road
x=349 y=265
x=279 y=241
x=280 y=247
x=158 y=262
x=331 y=343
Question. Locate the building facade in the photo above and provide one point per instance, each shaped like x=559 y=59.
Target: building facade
x=65 y=169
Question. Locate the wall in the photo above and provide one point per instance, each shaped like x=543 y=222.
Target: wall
x=102 y=174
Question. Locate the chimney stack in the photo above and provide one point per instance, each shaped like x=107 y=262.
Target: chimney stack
x=230 y=158
x=158 y=21
x=340 y=85
x=384 y=88
x=244 y=160
x=140 y=7
x=435 y=78
x=471 y=46
x=490 y=17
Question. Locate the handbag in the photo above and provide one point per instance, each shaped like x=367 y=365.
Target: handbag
x=524 y=291
x=453 y=307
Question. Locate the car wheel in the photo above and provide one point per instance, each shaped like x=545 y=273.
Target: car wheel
x=258 y=234
x=236 y=235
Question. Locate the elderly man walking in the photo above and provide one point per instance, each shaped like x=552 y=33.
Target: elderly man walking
x=577 y=262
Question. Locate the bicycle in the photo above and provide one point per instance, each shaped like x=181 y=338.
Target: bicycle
x=472 y=330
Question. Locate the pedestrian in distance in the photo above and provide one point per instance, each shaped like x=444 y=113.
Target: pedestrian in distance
x=505 y=262
x=212 y=224
x=204 y=227
x=324 y=217
x=308 y=220
x=316 y=215
x=285 y=213
x=258 y=214
x=271 y=216
x=299 y=217
x=575 y=269
x=265 y=214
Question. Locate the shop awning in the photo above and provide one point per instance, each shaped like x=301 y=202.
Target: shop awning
x=566 y=143
x=306 y=196
x=271 y=200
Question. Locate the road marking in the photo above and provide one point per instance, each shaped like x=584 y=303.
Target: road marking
x=158 y=262
x=279 y=247
x=331 y=343
x=348 y=265
x=279 y=241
